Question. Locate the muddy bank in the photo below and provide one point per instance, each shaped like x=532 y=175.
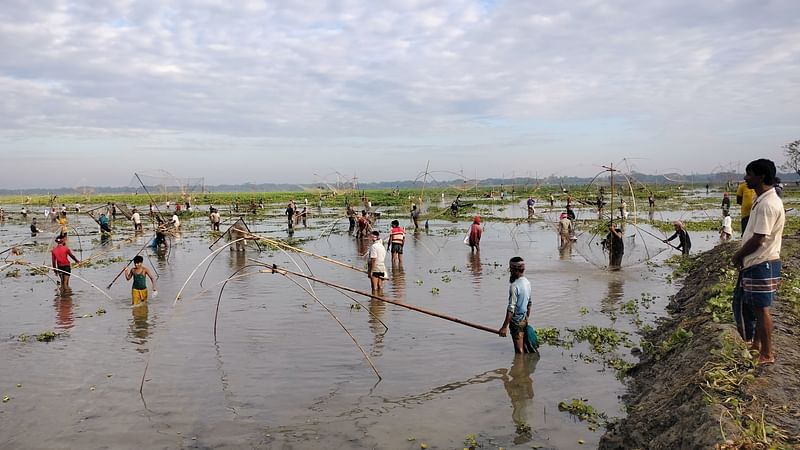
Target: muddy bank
x=696 y=385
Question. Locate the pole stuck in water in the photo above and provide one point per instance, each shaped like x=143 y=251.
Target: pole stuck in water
x=273 y=268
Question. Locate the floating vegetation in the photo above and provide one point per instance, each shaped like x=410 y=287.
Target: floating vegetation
x=100 y=311
x=38 y=270
x=435 y=291
x=677 y=338
x=523 y=428
x=548 y=335
x=620 y=365
x=682 y=264
x=13 y=273
x=356 y=306
x=584 y=412
x=23 y=337
x=584 y=310
x=46 y=336
x=446 y=279
x=471 y=442
x=602 y=340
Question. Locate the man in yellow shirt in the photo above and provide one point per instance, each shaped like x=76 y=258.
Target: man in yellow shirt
x=744 y=197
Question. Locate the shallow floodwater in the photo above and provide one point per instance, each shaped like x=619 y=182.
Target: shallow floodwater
x=282 y=373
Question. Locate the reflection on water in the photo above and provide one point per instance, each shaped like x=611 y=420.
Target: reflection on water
x=63 y=304
x=362 y=245
x=519 y=387
x=565 y=250
x=615 y=291
x=474 y=265
x=237 y=260
x=398 y=282
x=140 y=327
x=376 y=310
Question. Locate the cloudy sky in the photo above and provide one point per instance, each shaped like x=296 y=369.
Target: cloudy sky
x=303 y=91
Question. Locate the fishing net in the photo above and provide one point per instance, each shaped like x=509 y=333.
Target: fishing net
x=164 y=184
x=124 y=210
x=238 y=230
x=595 y=248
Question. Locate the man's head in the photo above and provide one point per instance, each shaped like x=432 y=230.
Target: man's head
x=138 y=259
x=375 y=235
x=395 y=223
x=678 y=224
x=516 y=266
x=760 y=172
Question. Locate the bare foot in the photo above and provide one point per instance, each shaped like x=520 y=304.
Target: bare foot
x=762 y=361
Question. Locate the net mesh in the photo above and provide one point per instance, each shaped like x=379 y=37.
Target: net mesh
x=238 y=230
x=164 y=183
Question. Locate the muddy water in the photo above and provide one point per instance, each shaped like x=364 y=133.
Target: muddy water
x=282 y=373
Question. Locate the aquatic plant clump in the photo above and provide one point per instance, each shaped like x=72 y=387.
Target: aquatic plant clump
x=579 y=408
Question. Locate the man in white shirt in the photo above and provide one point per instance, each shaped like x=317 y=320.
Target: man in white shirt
x=214 y=218
x=759 y=261
x=376 y=269
x=137 y=220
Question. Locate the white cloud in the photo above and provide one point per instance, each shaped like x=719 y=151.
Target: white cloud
x=483 y=82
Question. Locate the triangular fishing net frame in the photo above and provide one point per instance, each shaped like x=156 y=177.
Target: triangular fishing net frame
x=124 y=210
x=228 y=235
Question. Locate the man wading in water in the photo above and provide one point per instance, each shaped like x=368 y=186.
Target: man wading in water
x=519 y=305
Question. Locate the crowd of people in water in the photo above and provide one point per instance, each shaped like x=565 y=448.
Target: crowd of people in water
x=761 y=215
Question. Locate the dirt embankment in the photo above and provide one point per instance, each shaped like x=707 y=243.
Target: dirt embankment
x=706 y=392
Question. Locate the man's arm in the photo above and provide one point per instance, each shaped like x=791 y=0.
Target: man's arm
x=748 y=247
x=152 y=280
x=503 y=331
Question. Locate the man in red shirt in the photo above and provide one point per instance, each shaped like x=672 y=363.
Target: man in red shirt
x=60 y=258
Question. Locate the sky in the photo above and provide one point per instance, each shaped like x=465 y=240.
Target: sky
x=312 y=91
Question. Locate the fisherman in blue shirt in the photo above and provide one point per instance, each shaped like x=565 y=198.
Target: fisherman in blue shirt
x=519 y=305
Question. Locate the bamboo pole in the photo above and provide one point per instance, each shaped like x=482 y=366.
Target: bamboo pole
x=126 y=266
x=273 y=268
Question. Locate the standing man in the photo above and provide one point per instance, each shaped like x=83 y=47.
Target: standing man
x=615 y=244
x=759 y=261
x=290 y=214
x=564 y=230
x=744 y=197
x=104 y=224
x=351 y=218
x=415 y=216
x=60 y=256
x=726 y=203
x=397 y=237
x=214 y=218
x=137 y=220
x=475 y=233
x=34 y=228
x=683 y=237
x=139 y=273
x=519 y=305
x=376 y=268
x=531 y=210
